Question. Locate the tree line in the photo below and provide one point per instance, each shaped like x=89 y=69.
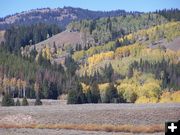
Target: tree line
x=20 y=36
x=107 y=29
x=163 y=70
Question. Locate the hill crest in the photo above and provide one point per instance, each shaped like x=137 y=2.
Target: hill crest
x=59 y=16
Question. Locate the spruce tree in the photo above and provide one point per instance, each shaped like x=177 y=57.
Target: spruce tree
x=72 y=97
x=95 y=94
x=18 y=103
x=25 y=102
x=111 y=95
x=89 y=96
x=38 y=102
x=76 y=95
x=7 y=100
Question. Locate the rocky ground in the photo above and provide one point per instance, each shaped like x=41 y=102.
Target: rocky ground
x=53 y=113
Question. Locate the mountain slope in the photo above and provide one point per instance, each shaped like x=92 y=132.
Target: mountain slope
x=173 y=45
x=60 y=16
x=63 y=39
x=146 y=44
x=132 y=67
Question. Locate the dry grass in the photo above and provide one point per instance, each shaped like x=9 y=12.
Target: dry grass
x=93 y=127
x=63 y=38
x=119 y=118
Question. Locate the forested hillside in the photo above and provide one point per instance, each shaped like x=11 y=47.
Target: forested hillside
x=105 y=29
x=117 y=59
x=21 y=77
x=58 y=16
x=17 y=37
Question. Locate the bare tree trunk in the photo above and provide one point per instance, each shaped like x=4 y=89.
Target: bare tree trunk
x=21 y=92
x=24 y=92
x=13 y=92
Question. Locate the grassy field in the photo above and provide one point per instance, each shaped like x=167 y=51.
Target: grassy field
x=54 y=118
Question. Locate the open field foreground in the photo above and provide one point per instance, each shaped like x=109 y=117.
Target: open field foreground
x=87 y=119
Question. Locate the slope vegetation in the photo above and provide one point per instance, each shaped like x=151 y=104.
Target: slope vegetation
x=59 y=16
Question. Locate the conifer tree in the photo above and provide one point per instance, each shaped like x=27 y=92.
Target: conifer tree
x=25 y=102
x=7 y=100
x=95 y=93
x=18 y=103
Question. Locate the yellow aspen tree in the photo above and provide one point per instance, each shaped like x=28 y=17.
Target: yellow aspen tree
x=6 y=84
x=13 y=84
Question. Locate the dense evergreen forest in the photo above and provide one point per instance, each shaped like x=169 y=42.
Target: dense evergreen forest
x=20 y=36
x=128 y=62
x=170 y=14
